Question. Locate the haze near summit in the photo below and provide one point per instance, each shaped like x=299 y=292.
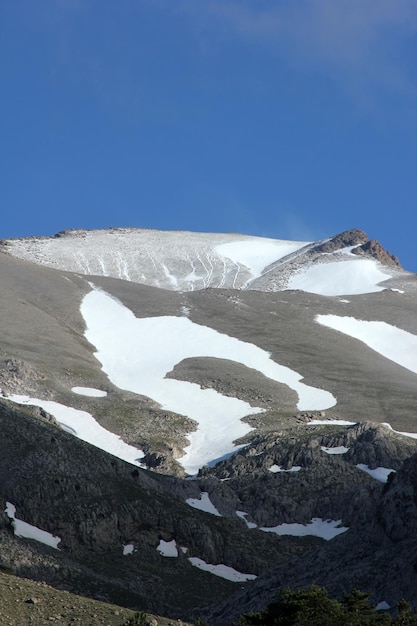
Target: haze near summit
x=291 y=121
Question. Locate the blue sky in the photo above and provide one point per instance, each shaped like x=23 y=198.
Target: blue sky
x=293 y=119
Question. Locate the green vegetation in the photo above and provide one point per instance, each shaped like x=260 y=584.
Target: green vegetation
x=314 y=607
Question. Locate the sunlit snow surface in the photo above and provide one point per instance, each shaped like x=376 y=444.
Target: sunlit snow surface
x=137 y=353
x=326 y=529
x=85 y=427
x=257 y=255
x=175 y=260
x=391 y=342
x=224 y=571
x=340 y=278
x=89 y=391
x=23 y=529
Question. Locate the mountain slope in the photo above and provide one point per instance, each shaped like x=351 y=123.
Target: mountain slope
x=209 y=356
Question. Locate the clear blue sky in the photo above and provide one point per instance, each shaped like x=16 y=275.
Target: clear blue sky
x=294 y=119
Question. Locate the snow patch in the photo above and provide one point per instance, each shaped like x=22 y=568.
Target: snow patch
x=340 y=278
x=257 y=255
x=224 y=571
x=203 y=504
x=391 y=342
x=129 y=548
x=335 y=450
x=243 y=515
x=382 y=606
x=277 y=468
x=326 y=529
x=330 y=423
x=379 y=473
x=27 y=531
x=168 y=548
x=89 y=391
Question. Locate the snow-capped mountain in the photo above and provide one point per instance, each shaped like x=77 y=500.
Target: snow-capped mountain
x=220 y=356
x=187 y=261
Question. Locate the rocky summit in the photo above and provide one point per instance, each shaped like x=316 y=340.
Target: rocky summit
x=193 y=421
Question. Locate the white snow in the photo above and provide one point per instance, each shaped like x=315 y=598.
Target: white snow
x=257 y=255
x=335 y=450
x=85 y=427
x=176 y=260
x=340 y=278
x=391 y=342
x=379 y=473
x=129 y=548
x=330 y=423
x=137 y=353
x=89 y=391
x=382 y=606
x=168 y=548
x=412 y=435
x=326 y=529
x=23 y=529
x=224 y=571
x=203 y=504
x=243 y=515
x=277 y=468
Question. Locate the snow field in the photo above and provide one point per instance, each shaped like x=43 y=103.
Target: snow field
x=137 y=353
x=393 y=343
x=256 y=255
x=340 y=278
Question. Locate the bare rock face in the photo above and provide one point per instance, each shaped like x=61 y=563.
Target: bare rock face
x=363 y=246
x=398 y=509
x=343 y=240
x=373 y=248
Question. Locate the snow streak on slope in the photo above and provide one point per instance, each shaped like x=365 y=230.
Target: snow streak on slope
x=85 y=427
x=391 y=342
x=326 y=529
x=23 y=529
x=340 y=278
x=137 y=353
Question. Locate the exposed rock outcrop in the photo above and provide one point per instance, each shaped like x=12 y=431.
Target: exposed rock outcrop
x=348 y=238
x=374 y=249
x=360 y=244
